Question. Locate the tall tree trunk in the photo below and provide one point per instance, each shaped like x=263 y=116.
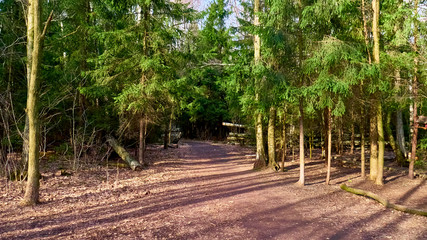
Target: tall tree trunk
x=352 y=130
x=340 y=136
x=143 y=122
x=30 y=45
x=362 y=144
x=282 y=167
x=300 y=37
x=325 y=142
x=311 y=144
x=399 y=155
x=381 y=146
x=328 y=175
x=377 y=102
x=373 y=135
x=376 y=30
x=400 y=135
x=415 y=98
x=141 y=141
x=271 y=138
x=31 y=196
x=301 y=180
x=260 y=160
x=170 y=126
x=362 y=121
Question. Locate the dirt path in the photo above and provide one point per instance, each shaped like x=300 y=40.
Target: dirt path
x=208 y=191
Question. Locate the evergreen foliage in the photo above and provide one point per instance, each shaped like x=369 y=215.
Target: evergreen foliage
x=108 y=64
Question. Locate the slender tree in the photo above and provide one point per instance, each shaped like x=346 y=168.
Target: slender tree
x=414 y=96
x=379 y=124
x=260 y=160
x=32 y=190
x=272 y=138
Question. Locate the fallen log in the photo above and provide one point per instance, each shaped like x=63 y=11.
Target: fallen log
x=384 y=201
x=121 y=151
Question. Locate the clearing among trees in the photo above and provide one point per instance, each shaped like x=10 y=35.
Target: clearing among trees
x=206 y=190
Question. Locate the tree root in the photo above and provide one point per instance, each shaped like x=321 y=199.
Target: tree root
x=384 y=201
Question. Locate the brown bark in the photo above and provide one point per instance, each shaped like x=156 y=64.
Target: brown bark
x=282 y=167
x=124 y=155
x=328 y=175
x=271 y=138
x=325 y=143
x=362 y=145
x=381 y=146
x=301 y=180
x=352 y=131
x=384 y=201
x=311 y=144
x=165 y=138
x=340 y=136
x=143 y=123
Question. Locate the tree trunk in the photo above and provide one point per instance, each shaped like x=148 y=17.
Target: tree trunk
x=328 y=175
x=30 y=46
x=415 y=99
x=362 y=145
x=311 y=144
x=282 y=168
x=384 y=201
x=260 y=160
x=376 y=30
x=325 y=143
x=124 y=155
x=271 y=138
x=373 y=135
x=141 y=147
x=340 y=136
x=399 y=155
x=362 y=125
x=301 y=180
x=376 y=125
x=352 y=131
x=31 y=196
x=170 y=127
x=381 y=146
x=400 y=135
x=165 y=137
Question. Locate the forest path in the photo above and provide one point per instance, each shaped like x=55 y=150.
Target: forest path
x=206 y=190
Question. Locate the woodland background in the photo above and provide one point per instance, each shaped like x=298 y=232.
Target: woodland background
x=298 y=74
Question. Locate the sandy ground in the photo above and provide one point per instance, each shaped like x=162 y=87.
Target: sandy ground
x=205 y=190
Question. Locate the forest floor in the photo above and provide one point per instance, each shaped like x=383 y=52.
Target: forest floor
x=205 y=190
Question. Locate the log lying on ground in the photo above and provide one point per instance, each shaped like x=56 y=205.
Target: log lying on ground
x=384 y=201
x=121 y=151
